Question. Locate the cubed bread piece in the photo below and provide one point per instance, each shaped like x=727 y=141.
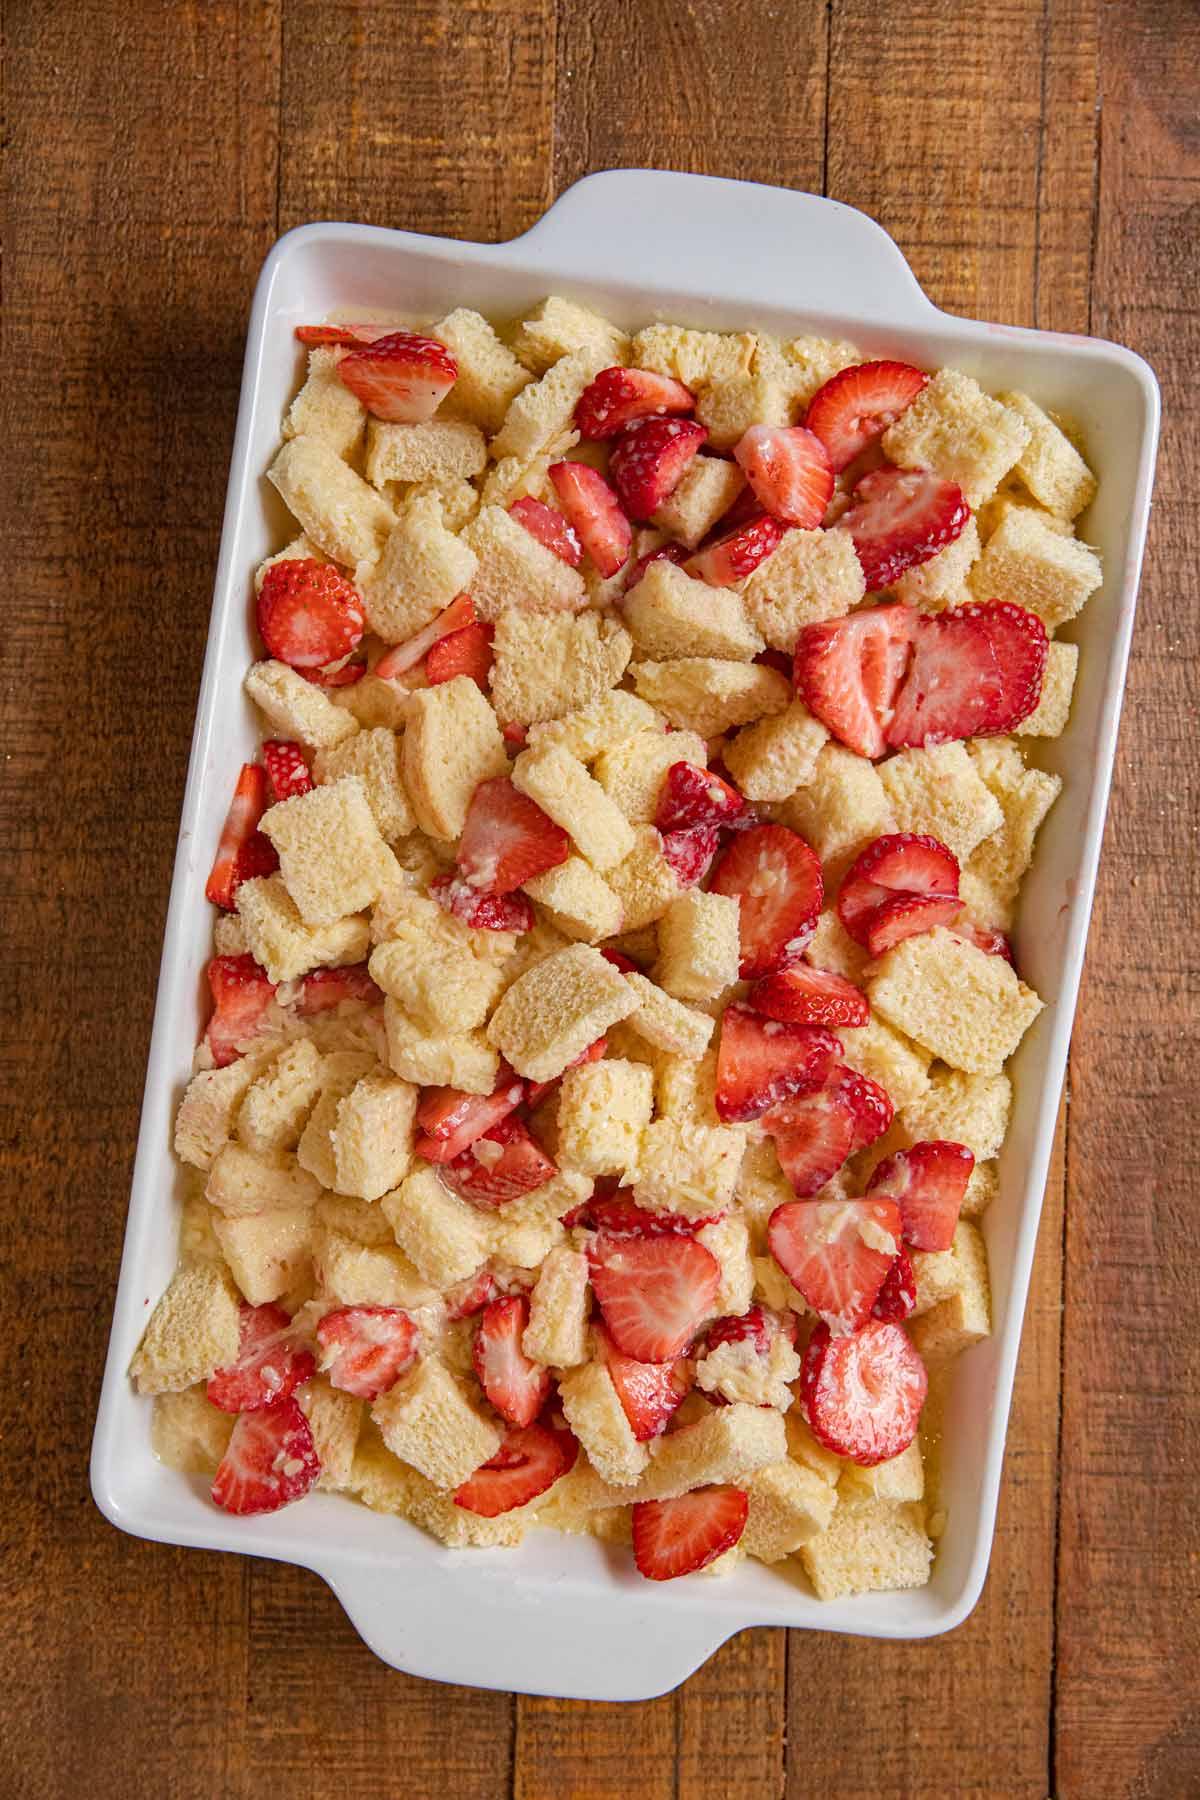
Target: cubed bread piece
x=355 y=1274
x=884 y=1055
x=362 y=1220
x=870 y=1547
x=559 y=328
x=515 y=570
x=832 y=947
x=842 y=808
x=266 y=1252
x=375 y=755
x=297 y=708
x=579 y=902
x=524 y=1243
x=372 y=701
x=761 y=1185
x=446 y=992
x=739 y=1371
x=452 y=742
x=325 y=408
x=982 y=1189
x=708 y=695
x=442 y=1235
x=770 y=760
x=461 y=1059
x=331 y=856
x=694 y=357
x=804 y=1449
x=205 y=1120
x=248 y=1181
x=276 y=1105
x=1025 y=796
x=335 y=1419
x=560 y=784
x=278 y=938
x=955 y=1000
x=1050 y=466
x=962 y=1109
x=229 y=935
x=671 y=615
x=771 y=1285
x=556 y=1335
x=959 y=432
x=1012 y=497
x=401 y=915
x=437 y=450
x=338 y=509
x=428 y=1421
x=987 y=903
x=900 y=1478
x=730 y=407
x=189 y=1433
x=729 y=1444
x=489 y=375
x=938 y=792
x=459 y=498
x=339 y=1074
x=812 y=361
x=704 y=493
x=645 y=883
x=386 y=1484
x=609 y=719
x=547 y=665
x=788 y=1506
x=688 y=1168
x=632 y=771
x=698 y=949
x=193 y=1331
x=965 y=1316
x=1027 y=563
x=512 y=478
x=553 y=1012
x=941 y=581
x=685 y=1087
x=1049 y=717
x=372 y=1138
x=544 y=412
x=729 y=1241
x=812 y=575
x=937 y=1277
x=603 y=1109
x=421 y=570
x=596 y=1416
x=667 y=1023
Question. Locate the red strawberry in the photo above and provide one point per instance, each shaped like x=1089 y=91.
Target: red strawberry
x=776 y=880
x=693 y=796
x=737 y=553
x=515 y=735
x=863 y=1393
x=761 y=1062
x=836 y=1253
x=788 y=468
x=670 y=552
x=898 y=1295
x=326 y=988
x=899 y=518
x=976 y=671
x=874 y=904
x=539 y=1089
x=342 y=334
x=927 y=1182
x=270 y=1363
x=856 y=406
x=690 y=852
x=848 y=671
x=649 y=1393
x=341 y=675
x=517 y=1387
x=648 y=460
x=548 y=526
x=754 y=1327
x=992 y=943
x=677 y=1537
x=530 y=1460
x=452 y=1120
x=483 y=912
x=618 y=397
x=466 y=652
x=802 y=995
x=401 y=657
x=507 y=839
x=241 y=995
x=595 y=513
x=814 y=1134
x=402 y=377
x=653 y=1293
x=366 y=1349
x=625 y=964
x=257 y=856
x=271 y=1460
x=871 y=1105
x=470 y=1296
x=501 y=1164
x=287 y=771
x=241 y=825
x=309 y=614
x=619 y=1215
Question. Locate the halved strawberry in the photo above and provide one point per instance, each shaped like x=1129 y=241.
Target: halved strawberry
x=761 y=1062
x=501 y=1164
x=270 y=1362
x=648 y=460
x=451 y=1120
x=856 y=406
x=992 y=943
x=325 y=988
x=863 y=1392
x=871 y=1105
x=814 y=1133
x=517 y=1387
x=595 y=513
x=617 y=397
x=247 y=807
x=836 y=1253
x=898 y=1295
x=848 y=672
x=788 y=468
x=366 y=1349
x=691 y=796
x=401 y=657
x=675 y=553
x=309 y=613
x=548 y=526
x=470 y=1296
x=539 y=1089
x=271 y=1460
x=893 y=871
x=650 y=1393
x=691 y=852
x=736 y=553
x=802 y=995
x=507 y=839
x=241 y=992
x=976 y=671
x=927 y=1182
x=531 y=1459
x=677 y=1537
x=618 y=1215
x=287 y=771
x=402 y=378
x=899 y=518
x=776 y=879
x=653 y=1293
x=342 y=334
x=465 y=652
x=483 y=912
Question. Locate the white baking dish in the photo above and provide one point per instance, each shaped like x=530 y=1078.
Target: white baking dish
x=561 y=1615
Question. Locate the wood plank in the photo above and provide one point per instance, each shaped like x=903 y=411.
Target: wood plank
x=1128 y=1663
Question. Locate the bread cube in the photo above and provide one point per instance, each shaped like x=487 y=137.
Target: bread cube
x=730 y=407
x=559 y=328
x=544 y=412
x=375 y=755
x=267 y=1252
x=688 y=1168
x=1026 y=562
x=667 y=1023
x=445 y=992
x=938 y=792
x=325 y=408
x=942 y=581
x=1049 y=717
x=560 y=784
x=730 y=1444
x=550 y=665
x=439 y=450
x=962 y=1109
x=1012 y=497
x=332 y=858
x=420 y=571
x=645 y=883
x=698 y=948
x=603 y=1109
x=403 y=916
x=458 y=497
x=296 y=708
x=189 y=1433
x=335 y=1419
x=428 y=1421
x=596 y=726
x=842 y=808
x=193 y=1331
x=553 y=1012
x=729 y=1241
x=523 y=1243
x=489 y=375
x=515 y=570
x=278 y=938
x=245 y=1181
x=372 y=1139
x=276 y=1105
x=870 y=1547
x=229 y=935
x=685 y=1087
x=1025 y=796
x=672 y=615
x=900 y=1478
x=964 y=1317
x=737 y=1371
x=986 y=903
x=355 y=1274
x=556 y=1335
x=982 y=1189
x=339 y=1074
x=886 y=1056
x=761 y=1186
x=708 y=695
x=443 y=1236
x=955 y=1000
x=788 y=1506
x=959 y=432
x=770 y=760
x=937 y=1278
x=596 y=1416
x=832 y=947
x=771 y=1285
x=361 y=1220
x=810 y=576
x=812 y=361
x=339 y=511
x=804 y=1449
x=205 y=1120
x=451 y=744
x=371 y=701
x=386 y=1484
x=461 y=1059
x=1050 y=466
x=694 y=357
x=704 y=493
x=578 y=901
x=632 y=772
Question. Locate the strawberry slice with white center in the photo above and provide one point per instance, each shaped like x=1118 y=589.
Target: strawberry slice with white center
x=366 y=1349
x=776 y=879
x=470 y=1296
x=517 y=1387
x=814 y=1133
x=247 y=807
x=401 y=657
x=653 y=1293
x=350 y=335
x=976 y=671
x=482 y=912
x=677 y=1537
x=309 y=614
x=690 y=852
x=241 y=992
x=270 y=1362
x=691 y=796
x=650 y=1393
x=862 y=1393
x=802 y=995
x=271 y=1460
x=619 y=397
x=619 y=1215
x=326 y=988
x=501 y=1164
x=401 y=378
x=761 y=1062
x=548 y=526
x=898 y=1295
x=648 y=461
x=789 y=471
x=287 y=771
x=530 y=1460
x=675 y=553
x=856 y=406
x=871 y=1105
x=927 y=1182
x=899 y=518
x=901 y=884
x=507 y=839
x=594 y=513
x=737 y=552
x=848 y=673
x=465 y=652
x=451 y=1120
x=836 y=1253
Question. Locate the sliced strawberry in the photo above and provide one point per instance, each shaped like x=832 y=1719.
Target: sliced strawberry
x=653 y=1293
x=908 y=916
x=624 y=963
x=666 y=552
x=618 y=397
x=776 y=880
x=401 y=657
x=927 y=1182
x=976 y=671
x=270 y=1363
x=898 y=1295
x=515 y=736
x=548 y=526
x=530 y=1460
x=470 y=1296
x=257 y=856
x=747 y=506
x=241 y=993
x=992 y=943
x=326 y=988
x=350 y=335
x=836 y=1253
x=856 y=406
x=309 y=614
x=619 y=1215
x=690 y=853
x=677 y=1537
x=451 y=1120
x=871 y=1105
x=466 y=652
x=650 y=1393
x=501 y=1164
x=287 y=771
x=848 y=672
x=738 y=552
x=241 y=824
x=539 y=1089
x=761 y=1062
x=802 y=995
x=899 y=518
x=648 y=460
x=894 y=869
x=752 y=1327
x=595 y=513
x=691 y=796
x=271 y=1460
x=507 y=839
x=366 y=1349
x=814 y=1134
x=402 y=378
x=517 y=1387
x=789 y=470
x=483 y=912
x=340 y=675
x=863 y=1392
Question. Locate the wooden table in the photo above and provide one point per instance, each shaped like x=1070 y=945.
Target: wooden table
x=1039 y=162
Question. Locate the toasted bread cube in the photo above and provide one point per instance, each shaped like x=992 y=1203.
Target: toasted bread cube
x=451 y=744
x=549 y=665
x=770 y=760
x=556 y=1335
x=245 y=1181
x=698 y=949
x=900 y=1478
x=560 y=784
x=788 y=1506
x=553 y=1012
x=1026 y=562
x=205 y=1120
x=937 y=1277
x=985 y=902
x=737 y=1371
x=340 y=1072
x=942 y=581
x=685 y=1087
x=708 y=695
x=729 y=1444
x=525 y=1243
x=559 y=328
x=632 y=772
x=190 y=1433
x=729 y=1241
x=706 y=490
x=812 y=575
x=229 y=935
x=278 y=938
x=338 y=509
x=360 y=1220
x=694 y=357
x=428 y=1421
x=832 y=947
x=804 y=1449
x=515 y=570
x=982 y=1189
x=761 y=1186
x=461 y=1059
x=544 y=412
x=335 y=1419
x=266 y=1252
x=356 y=1274
x=489 y=375
x=939 y=793
x=603 y=1109
x=421 y=570
x=297 y=708
x=1025 y=796
x=730 y=407
x=667 y=1023
x=578 y=901
x=372 y=1139
x=459 y=498
x=812 y=361
x=959 y=432
x=596 y=1416
x=375 y=755
x=955 y=1000
x=842 y=808
x=886 y=1056
x=371 y=701
x=672 y=615
x=193 y=1331
x=962 y=1109
x=688 y=1168
x=1050 y=466
x=870 y=1547
x=1049 y=717
x=325 y=408
x=277 y=1104
x=402 y=915
x=645 y=883
x=1012 y=497
x=443 y=1236
x=444 y=992
x=964 y=1317
x=331 y=856
x=439 y=450
x=590 y=729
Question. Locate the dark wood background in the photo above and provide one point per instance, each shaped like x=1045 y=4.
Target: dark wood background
x=1039 y=162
